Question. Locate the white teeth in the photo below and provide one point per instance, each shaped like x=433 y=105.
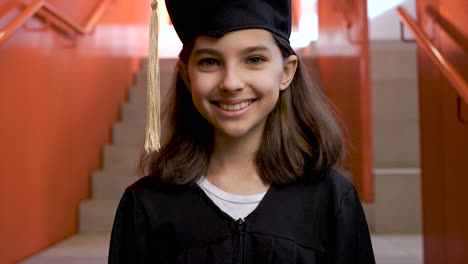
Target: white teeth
x=235 y=107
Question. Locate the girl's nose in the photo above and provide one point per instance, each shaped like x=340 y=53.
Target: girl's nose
x=232 y=80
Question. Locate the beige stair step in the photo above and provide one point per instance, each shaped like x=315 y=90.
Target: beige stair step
x=121 y=157
x=396 y=144
x=129 y=134
x=166 y=71
x=76 y=249
x=131 y=112
x=166 y=64
x=370 y=215
x=97 y=216
x=166 y=78
x=397 y=205
x=108 y=185
x=395 y=100
x=137 y=95
x=393 y=60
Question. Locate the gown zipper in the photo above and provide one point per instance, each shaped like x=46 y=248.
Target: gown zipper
x=240 y=224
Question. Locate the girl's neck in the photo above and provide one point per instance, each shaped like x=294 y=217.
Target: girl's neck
x=232 y=164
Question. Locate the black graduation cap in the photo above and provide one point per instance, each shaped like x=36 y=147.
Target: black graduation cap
x=193 y=18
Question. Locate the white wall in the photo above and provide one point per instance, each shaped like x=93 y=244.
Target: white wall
x=384 y=23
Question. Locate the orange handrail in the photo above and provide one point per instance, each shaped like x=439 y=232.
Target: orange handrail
x=441 y=61
x=36 y=6
x=30 y=11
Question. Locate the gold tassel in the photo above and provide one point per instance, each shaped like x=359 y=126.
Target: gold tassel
x=153 y=122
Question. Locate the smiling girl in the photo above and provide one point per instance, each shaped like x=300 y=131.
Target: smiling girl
x=247 y=173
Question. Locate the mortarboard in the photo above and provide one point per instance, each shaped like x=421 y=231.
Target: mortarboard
x=214 y=18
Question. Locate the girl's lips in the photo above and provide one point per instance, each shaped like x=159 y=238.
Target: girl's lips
x=233 y=108
x=232 y=101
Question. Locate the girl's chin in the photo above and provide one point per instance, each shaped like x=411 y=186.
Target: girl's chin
x=239 y=132
x=234 y=134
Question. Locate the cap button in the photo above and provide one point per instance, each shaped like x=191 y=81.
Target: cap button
x=154 y=4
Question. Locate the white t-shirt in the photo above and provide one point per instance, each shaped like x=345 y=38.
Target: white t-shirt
x=237 y=206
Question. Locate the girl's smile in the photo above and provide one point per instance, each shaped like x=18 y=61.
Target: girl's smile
x=234 y=108
x=233 y=105
x=235 y=81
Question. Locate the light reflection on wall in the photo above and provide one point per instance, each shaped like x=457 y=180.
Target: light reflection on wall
x=384 y=23
x=378 y=7
x=308 y=25
x=118 y=41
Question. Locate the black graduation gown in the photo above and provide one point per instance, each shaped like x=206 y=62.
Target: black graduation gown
x=305 y=222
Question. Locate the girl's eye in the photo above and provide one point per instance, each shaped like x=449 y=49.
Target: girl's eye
x=208 y=62
x=255 y=60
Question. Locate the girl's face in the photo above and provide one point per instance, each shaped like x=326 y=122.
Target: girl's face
x=235 y=81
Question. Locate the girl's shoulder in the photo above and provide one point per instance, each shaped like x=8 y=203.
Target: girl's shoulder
x=149 y=190
x=151 y=183
x=340 y=185
x=332 y=179
x=331 y=186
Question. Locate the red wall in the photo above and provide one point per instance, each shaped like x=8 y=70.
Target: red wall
x=444 y=135
x=57 y=106
x=343 y=63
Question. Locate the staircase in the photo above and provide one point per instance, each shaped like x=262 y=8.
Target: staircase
x=120 y=159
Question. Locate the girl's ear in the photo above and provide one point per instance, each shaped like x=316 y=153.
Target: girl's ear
x=183 y=70
x=289 y=70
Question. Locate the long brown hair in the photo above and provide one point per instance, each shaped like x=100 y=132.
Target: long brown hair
x=301 y=133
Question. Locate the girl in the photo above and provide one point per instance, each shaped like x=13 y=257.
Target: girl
x=246 y=174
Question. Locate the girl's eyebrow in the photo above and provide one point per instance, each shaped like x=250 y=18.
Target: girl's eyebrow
x=244 y=51
x=205 y=51
x=256 y=48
